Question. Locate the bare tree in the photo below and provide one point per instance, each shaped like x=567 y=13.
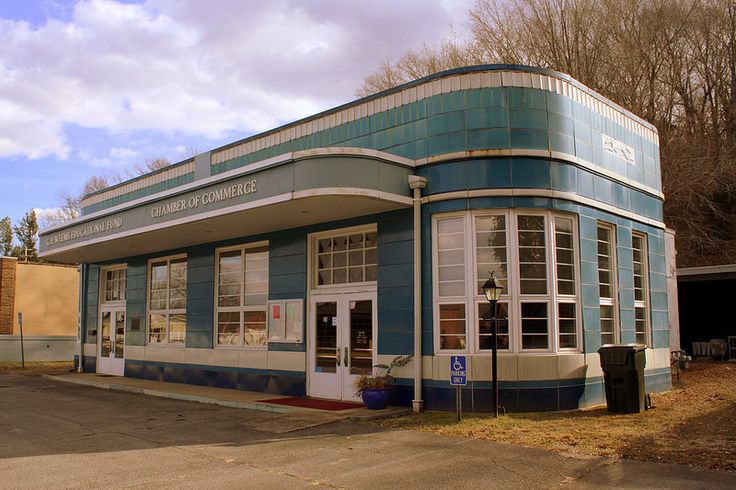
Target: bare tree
x=672 y=62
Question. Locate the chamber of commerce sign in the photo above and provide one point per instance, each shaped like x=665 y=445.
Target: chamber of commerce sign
x=84 y=231
x=205 y=198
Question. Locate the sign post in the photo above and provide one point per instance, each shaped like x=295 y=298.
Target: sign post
x=22 y=353
x=458 y=378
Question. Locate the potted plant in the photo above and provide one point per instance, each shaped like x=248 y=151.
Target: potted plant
x=373 y=387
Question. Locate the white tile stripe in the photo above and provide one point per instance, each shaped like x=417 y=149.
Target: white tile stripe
x=448 y=84
x=142 y=183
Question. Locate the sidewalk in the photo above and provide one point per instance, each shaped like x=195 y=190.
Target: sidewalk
x=298 y=417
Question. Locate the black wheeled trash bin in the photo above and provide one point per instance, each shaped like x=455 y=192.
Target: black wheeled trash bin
x=623 y=372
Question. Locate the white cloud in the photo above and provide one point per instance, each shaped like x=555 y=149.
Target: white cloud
x=122 y=153
x=190 y=67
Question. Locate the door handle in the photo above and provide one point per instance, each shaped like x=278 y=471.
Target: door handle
x=345 y=359
x=337 y=353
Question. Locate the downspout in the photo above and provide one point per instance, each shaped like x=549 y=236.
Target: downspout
x=417 y=183
x=82 y=268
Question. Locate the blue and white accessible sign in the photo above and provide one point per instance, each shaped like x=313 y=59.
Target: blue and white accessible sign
x=458 y=373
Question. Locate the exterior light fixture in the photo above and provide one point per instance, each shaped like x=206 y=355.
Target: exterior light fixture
x=492 y=289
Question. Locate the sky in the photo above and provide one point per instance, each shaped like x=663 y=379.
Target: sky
x=94 y=87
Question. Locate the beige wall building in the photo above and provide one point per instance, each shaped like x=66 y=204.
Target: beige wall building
x=46 y=294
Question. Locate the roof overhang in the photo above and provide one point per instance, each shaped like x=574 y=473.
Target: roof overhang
x=311 y=189
x=706 y=273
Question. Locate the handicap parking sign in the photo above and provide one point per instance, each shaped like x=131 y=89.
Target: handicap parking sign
x=458 y=373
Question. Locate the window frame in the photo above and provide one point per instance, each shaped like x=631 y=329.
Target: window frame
x=103 y=283
x=644 y=302
x=511 y=294
x=242 y=308
x=613 y=270
x=313 y=262
x=168 y=312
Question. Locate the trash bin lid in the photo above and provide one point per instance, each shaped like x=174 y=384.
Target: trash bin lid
x=617 y=354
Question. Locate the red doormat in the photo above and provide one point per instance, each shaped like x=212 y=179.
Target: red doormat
x=317 y=403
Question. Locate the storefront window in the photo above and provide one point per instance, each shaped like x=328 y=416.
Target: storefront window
x=640 y=289
x=533 y=254
x=607 y=284
x=167 y=300
x=242 y=296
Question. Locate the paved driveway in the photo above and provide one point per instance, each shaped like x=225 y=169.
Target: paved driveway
x=56 y=435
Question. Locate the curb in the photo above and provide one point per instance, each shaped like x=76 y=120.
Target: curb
x=174 y=396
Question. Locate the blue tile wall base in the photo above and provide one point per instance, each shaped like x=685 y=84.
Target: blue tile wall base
x=514 y=396
x=532 y=396
x=89 y=364
x=288 y=383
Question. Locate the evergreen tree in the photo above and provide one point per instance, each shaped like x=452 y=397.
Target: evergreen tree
x=27 y=233
x=6 y=237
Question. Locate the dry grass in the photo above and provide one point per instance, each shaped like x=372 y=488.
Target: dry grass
x=693 y=424
x=35 y=367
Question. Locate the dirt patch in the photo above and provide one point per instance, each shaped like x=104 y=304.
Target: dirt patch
x=36 y=368
x=692 y=424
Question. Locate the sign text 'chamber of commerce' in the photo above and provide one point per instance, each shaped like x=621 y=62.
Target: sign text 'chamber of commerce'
x=205 y=198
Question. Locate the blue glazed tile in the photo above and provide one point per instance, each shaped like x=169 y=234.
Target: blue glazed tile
x=589 y=230
x=657 y=264
x=626 y=297
x=199 y=339
x=592 y=340
x=489 y=173
x=530 y=173
x=660 y=320
x=485 y=97
x=560 y=104
x=488 y=139
x=396 y=253
x=592 y=317
x=625 y=278
x=528 y=119
x=590 y=294
x=561 y=143
x=400 y=297
x=563 y=177
x=603 y=190
x=538 y=399
x=395 y=275
x=446 y=143
x=571 y=397
x=448 y=122
x=486 y=117
x=526 y=98
x=658 y=300
x=626 y=317
x=288 y=283
x=446 y=178
x=533 y=139
x=585 y=183
x=288 y=264
x=562 y=124
x=589 y=272
x=594 y=394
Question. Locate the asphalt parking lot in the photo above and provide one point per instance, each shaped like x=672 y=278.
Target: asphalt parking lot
x=57 y=435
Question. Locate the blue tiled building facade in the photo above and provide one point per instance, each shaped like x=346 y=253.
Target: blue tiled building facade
x=286 y=262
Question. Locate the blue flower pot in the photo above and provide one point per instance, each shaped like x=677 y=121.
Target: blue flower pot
x=375 y=399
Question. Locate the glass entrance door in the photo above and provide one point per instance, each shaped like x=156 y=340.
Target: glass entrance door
x=111 y=341
x=342 y=347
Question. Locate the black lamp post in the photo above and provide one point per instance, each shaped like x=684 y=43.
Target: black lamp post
x=492 y=289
